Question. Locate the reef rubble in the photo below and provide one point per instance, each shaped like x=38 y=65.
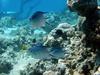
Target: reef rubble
x=78 y=59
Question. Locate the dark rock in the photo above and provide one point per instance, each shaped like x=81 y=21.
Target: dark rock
x=5 y=67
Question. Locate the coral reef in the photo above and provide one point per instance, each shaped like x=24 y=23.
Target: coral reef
x=13 y=45
x=53 y=19
x=77 y=59
x=5 y=66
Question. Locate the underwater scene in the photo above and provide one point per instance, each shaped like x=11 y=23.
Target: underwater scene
x=49 y=37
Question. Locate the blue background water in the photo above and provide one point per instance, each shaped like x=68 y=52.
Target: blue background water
x=16 y=37
x=23 y=9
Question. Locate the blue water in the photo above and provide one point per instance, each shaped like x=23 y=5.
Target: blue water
x=55 y=11
x=22 y=43
x=24 y=9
